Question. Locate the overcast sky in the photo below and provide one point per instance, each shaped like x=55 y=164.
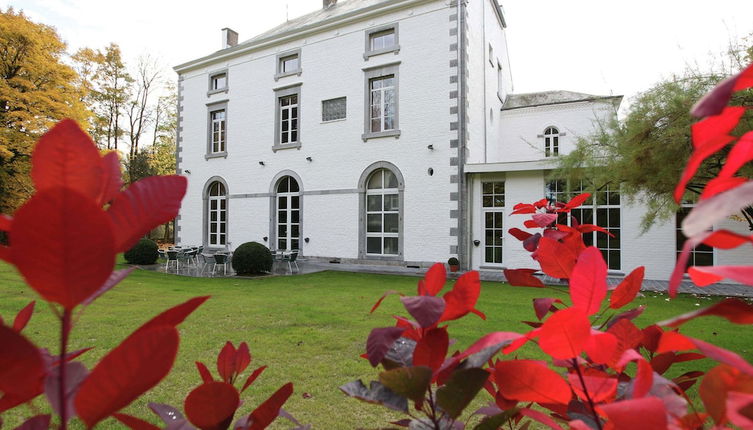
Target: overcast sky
x=591 y=46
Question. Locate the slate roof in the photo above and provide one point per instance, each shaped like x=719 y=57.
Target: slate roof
x=518 y=101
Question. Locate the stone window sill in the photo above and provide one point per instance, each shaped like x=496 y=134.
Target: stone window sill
x=369 y=54
x=218 y=91
x=296 y=145
x=375 y=135
x=216 y=155
x=286 y=74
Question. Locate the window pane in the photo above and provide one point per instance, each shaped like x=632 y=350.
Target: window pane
x=375 y=181
x=282 y=216
x=282 y=203
x=614 y=260
x=704 y=259
x=488 y=202
x=391 y=202
x=295 y=244
x=282 y=244
x=223 y=203
x=294 y=185
x=489 y=220
x=295 y=230
x=391 y=223
x=283 y=187
x=374 y=245
x=282 y=231
x=213 y=204
x=489 y=255
x=614 y=217
x=294 y=202
x=213 y=227
x=497 y=237
x=374 y=203
x=295 y=216
x=376 y=125
x=497 y=255
x=499 y=187
x=374 y=223
x=498 y=217
x=390 y=245
x=390 y=179
x=487 y=187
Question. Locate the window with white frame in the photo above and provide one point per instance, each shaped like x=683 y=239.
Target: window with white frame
x=217 y=214
x=382 y=214
x=701 y=255
x=217 y=131
x=288 y=220
x=602 y=208
x=219 y=81
x=551 y=142
x=382 y=103
x=334 y=109
x=288 y=119
x=381 y=40
x=493 y=213
x=288 y=63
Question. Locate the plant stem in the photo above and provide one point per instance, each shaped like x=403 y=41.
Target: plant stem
x=588 y=396
x=65 y=330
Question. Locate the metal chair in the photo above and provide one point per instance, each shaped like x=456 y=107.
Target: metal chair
x=172 y=256
x=222 y=260
x=291 y=259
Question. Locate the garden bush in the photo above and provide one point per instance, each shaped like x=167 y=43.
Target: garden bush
x=144 y=252
x=252 y=258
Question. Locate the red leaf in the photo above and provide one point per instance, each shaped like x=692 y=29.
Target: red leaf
x=628 y=289
x=529 y=381
x=588 y=228
x=696 y=159
x=523 y=208
x=226 y=362
x=707 y=275
x=644 y=379
x=519 y=234
x=111 y=181
x=389 y=293
x=21 y=369
x=522 y=278
x=540 y=417
x=720 y=185
x=67 y=157
x=629 y=315
x=543 y=306
x=603 y=348
x=740 y=410
x=62 y=244
x=532 y=243
x=211 y=405
x=431 y=349
x=204 y=372
x=565 y=333
x=710 y=211
x=425 y=309
x=673 y=341
x=651 y=337
x=23 y=316
x=715 y=100
x=144 y=205
x=543 y=220
x=652 y=416
x=725 y=239
x=557 y=259
x=75 y=373
x=39 y=422
x=600 y=386
x=129 y=370
x=710 y=128
x=175 y=315
x=250 y=380
x=435 y=279
x=268 y=411
x=732 y=310
x=500 y=338
x=379 y=342
x=627 y=334
x=717 y=385
x=530 y=224
x=242 y=358
x=588 y=281
x=135 y=423
x=575 y=202
x=744 y=79
x=463 y=297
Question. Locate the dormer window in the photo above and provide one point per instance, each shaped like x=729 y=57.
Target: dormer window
x=381 y=40
x=551 y=142
x=288 y=64
x=218 y=82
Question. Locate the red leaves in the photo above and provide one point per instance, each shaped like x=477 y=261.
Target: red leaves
x=713 y=102
x=707 y=275
x=565 y=333
x=462 y=298
x=232 y=362
x=23 y=316
x=575 y=202
x=622 y=415
x=379 y=342
x=434 y=280
x=696 y=159
x=712 y=127
x=425 y=309
x=135 y=366
x=431 y=349
x=143 y=205
x=708 y=212
x=21 y=369
x=62 y=244
x=530 y=381
x=211 y=405
x=556 y=258
x=588 y=281
x=718 y=383
x=263 y=415
x=732 y=310
x=600 y=386
x=522 y=278
x=628 y=289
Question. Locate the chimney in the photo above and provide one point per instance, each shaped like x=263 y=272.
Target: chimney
x=328 y=3
x=229 y=38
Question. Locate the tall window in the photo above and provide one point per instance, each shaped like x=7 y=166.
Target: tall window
x=551 y=141
x=493 y=209
x=382 y=213
x=288 y=119
x=288 y=214
x=602 y=209
x=702 y=255
x=382 y=103
x=218 y=131
x=217 y=214
x=381 y=40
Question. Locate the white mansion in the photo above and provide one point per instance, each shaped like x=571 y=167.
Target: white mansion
x=384 y=131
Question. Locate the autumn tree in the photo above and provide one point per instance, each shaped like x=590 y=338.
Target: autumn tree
x=644 y=153
x=37 y=89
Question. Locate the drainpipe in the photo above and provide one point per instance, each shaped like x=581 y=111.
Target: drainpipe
x=462 y=188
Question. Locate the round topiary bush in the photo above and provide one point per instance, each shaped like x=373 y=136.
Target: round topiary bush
x=144 y=252
x=252 y=258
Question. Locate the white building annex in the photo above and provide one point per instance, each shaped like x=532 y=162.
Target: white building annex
x=385 y=132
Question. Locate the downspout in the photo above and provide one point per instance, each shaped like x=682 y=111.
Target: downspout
x=462 y=192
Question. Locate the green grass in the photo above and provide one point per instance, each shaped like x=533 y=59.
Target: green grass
x=308 y=329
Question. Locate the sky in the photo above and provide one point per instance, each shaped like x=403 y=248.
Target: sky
x=592 y=46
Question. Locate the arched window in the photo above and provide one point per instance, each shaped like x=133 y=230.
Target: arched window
x=288 y=213
x=382 y=213
x=551 y=141
x=217 y=214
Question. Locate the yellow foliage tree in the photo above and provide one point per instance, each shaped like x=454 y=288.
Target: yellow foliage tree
x=37 y=89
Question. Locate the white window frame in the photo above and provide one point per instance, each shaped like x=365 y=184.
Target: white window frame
x=280 y=73
x=382 y=213
x=288 y=198
x=213 y=89
x=395 y=48
x=551 y=141
x=372 y=75
x=280 y=95
x=497 y=211
x=217 y=130
x=217 y=239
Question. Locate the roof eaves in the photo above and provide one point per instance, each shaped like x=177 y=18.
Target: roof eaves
x=614 y=99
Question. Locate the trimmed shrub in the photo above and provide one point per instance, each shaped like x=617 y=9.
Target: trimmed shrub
x=251 y=258
x=144 y=252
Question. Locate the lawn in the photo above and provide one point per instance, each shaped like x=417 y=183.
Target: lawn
x=308 y=329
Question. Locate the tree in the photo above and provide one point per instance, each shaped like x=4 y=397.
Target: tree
x=646 y=151
x=37 y=89
x=139 y=111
